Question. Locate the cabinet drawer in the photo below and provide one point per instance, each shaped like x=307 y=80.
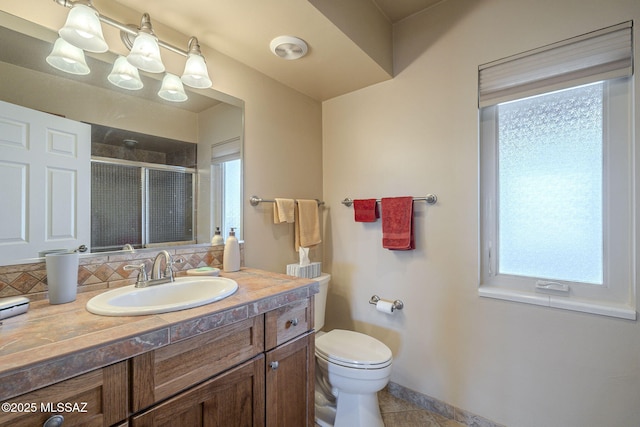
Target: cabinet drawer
x=166 y=371
x=234 y=398
x=97 y=398
x=288 y=322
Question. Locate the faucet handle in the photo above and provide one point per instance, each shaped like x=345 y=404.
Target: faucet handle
x=168 y=270
x=142 y=272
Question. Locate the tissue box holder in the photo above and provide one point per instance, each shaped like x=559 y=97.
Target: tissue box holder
x=310 y=271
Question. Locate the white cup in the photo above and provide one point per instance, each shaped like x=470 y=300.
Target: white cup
x=62 y=277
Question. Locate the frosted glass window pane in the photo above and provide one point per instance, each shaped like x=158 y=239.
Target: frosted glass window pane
x=550 y=209
x=170 y=206
x=116 y=207
x=232 y=191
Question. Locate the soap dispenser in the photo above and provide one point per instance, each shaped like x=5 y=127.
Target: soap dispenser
x=231 y=255
x=217 y=238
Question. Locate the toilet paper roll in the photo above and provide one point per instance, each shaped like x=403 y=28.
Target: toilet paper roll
x=385 y=307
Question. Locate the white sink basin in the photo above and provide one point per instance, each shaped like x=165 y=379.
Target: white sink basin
x=185 y=292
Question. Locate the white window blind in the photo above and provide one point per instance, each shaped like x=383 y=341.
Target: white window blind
x=226 y=150
x=600 y=55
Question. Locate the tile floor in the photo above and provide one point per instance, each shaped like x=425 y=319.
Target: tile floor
x=400 y=413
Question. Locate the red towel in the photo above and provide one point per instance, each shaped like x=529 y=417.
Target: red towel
x=366 y=210
x=397 y=223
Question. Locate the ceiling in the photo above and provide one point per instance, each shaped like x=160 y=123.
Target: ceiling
x=397 y=10
x=243 y=29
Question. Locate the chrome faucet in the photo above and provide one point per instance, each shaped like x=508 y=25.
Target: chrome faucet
x=157 y=275
x=156 y=270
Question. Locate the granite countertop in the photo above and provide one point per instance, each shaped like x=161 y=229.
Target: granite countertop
x=51 y=343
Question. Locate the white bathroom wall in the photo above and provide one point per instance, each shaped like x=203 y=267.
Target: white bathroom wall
x=223 y=122
x=515 y=364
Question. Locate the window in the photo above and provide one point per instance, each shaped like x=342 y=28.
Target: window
x=556 y=162
x=226 y=185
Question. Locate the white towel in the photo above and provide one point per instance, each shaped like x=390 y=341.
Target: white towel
x=284 y=211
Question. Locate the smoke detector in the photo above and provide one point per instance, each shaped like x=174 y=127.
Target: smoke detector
x=289 y=47
x=129 y=143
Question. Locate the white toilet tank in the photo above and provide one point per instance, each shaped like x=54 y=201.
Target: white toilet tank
x=321 y=301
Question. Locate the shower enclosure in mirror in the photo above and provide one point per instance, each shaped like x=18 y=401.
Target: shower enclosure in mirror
x=140 y=205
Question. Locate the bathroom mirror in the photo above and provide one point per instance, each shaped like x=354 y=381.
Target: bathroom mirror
x=208 y=119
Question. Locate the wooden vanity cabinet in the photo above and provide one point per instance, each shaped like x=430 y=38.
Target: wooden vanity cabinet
x=290 y=383
x=194 y=382
x=234 y=398
x=290 y=358
x=97 y=398
x=169 y=370
x=254 y=372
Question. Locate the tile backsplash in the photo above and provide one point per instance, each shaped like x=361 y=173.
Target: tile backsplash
x=102 y=271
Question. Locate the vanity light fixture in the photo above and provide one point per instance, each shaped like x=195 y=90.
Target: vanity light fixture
x=195 y=70
x=68 y=58
x=145 y=52
x=172 y=89
x=125 y=75
x=289 y=47
x=83 y=30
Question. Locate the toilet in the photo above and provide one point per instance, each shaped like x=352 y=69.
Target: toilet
x=350 y=369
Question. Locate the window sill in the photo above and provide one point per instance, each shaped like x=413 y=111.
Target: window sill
x=600 y=308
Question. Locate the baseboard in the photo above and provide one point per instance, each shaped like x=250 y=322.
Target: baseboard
x=439 y=407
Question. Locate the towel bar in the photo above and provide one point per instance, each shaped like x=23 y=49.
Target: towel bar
x=429 y=198
x=255 y=201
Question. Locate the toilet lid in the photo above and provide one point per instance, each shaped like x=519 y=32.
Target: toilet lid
x=352 y=348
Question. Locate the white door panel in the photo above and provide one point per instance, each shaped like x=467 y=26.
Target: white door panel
x=46 y=193
x=13 y=191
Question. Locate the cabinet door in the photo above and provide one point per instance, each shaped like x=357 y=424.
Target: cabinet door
x=97 y=398
x=232 y=399
x=290 y=383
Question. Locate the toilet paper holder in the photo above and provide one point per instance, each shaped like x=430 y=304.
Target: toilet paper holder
x=397 y=304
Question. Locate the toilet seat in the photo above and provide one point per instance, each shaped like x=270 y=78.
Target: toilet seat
x=353 y=350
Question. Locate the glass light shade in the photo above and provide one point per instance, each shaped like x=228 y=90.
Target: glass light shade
x=83 y=29
x=195 y=72
x=125 y=75
x=172 y=89
x=145 y=53
x=68 y=58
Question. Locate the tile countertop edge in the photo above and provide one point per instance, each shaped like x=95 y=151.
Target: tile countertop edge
x=31 y=368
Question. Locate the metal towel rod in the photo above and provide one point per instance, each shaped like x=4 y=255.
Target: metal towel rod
x=255 y=201
x=429 y=198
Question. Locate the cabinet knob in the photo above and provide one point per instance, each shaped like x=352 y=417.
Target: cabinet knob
x=294 y=322
x=54 y=421
x=274 y=365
